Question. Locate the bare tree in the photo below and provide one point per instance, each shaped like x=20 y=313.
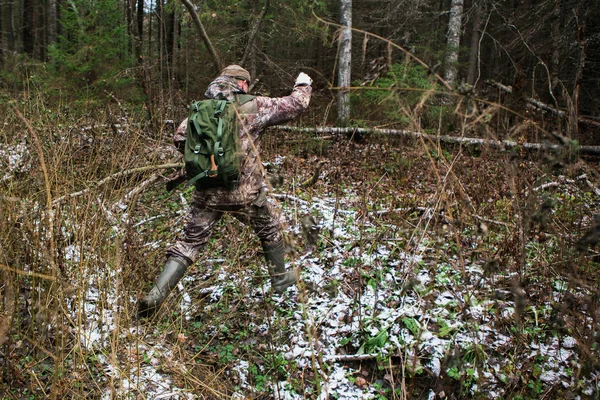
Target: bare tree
x=474 y=59
x=344 y=64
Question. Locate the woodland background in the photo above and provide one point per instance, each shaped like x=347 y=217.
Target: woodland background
x=461 y=135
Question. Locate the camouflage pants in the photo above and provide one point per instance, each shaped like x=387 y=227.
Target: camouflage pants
x=201 y=218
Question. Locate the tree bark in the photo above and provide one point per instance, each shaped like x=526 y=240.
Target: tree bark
x=254 y=32
x=174 y=44
x=344 y=64
x=453 y=41
x=555 y=33
x=203 y=34
x=1 y=35
x=473 y=73
x=582 y=41
x=28 y=26
x=9 y=25
x=140 y=20
x=51 y=22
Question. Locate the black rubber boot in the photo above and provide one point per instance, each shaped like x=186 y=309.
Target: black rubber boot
x=281 y=278
x=172 y=273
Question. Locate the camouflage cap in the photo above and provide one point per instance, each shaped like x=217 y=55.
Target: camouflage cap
x=237 y=72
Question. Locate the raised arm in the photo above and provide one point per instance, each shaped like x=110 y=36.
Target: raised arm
x=275 y=111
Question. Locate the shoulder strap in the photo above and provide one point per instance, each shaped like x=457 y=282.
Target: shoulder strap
x=242 y=99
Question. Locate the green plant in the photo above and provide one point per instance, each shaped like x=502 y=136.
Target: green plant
x=374 y=343
x=93 y=46
x=398 y=93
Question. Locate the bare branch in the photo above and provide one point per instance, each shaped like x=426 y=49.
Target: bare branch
x=115 y=176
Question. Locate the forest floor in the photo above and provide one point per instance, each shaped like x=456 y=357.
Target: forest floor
x=427 y=273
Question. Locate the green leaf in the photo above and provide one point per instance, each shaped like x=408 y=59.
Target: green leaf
x=412 y=325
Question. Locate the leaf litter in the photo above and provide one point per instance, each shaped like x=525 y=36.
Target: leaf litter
x=408 y=306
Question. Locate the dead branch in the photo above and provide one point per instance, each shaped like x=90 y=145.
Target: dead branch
x=254 y=31
x=115 y=176
x=540 y=105
x=315 y=176
x=203 y=34
x=27 y=273
x=349 y=357
x=121 y=204
x=465 y=141
x=585 y=179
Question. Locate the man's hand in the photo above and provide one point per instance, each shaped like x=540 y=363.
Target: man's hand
x=303 y=79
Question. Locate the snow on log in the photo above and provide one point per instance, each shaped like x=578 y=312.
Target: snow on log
x=465 y=141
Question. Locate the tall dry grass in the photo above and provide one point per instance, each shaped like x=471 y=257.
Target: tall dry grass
x=83 y=230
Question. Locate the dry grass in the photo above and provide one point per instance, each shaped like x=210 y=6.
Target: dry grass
x=64 y=258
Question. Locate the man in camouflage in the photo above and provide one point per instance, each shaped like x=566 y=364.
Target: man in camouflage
x=247 y=202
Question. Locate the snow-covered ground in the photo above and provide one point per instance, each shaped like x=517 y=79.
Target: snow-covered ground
x=361 y=292
x=409 y=306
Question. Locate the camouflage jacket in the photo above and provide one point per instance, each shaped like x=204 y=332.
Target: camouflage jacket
x=255 y=116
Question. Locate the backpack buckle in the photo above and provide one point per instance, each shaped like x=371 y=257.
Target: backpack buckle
x=220 y=152
x=197 y=149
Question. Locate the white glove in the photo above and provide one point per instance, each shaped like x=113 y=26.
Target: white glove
x=303 y=79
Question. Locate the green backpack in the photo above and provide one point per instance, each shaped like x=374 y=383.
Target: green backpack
x=212 y=146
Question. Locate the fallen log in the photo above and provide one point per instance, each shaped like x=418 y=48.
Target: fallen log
x=465 y=141
x=541 y=105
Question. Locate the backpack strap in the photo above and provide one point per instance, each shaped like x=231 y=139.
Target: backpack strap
x=218 y=149
x=242 y=99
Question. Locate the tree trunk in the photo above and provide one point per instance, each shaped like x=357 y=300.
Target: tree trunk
x=473 y=73
x=203 y=34
x=582 y=41
x=51 y=22
x=129 y=19
x=28 y=26
x=140 y=19
x=9 y=24
x=160 y=31
x=344 y=64
x=453 y=42
x=254 y=32
x=1 y=36
x=555 y=32
x=174 y=43
x=41 y=33
x=169 y=21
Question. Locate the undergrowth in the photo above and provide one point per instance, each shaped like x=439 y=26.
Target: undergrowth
x=470 y=241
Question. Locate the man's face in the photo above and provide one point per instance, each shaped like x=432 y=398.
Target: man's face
x=243 y=85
